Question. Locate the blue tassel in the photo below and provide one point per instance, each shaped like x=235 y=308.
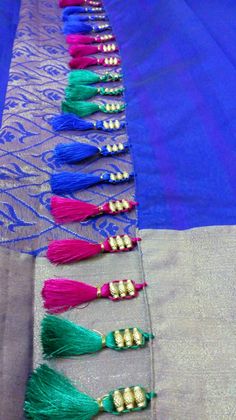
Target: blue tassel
x=85 y=18
x=70 y=122
x=74 y=152
x=69 y=182
x=73 y=122
x=71 y=27
x=71 y=10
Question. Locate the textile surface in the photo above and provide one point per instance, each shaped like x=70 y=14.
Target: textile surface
x=179 y=71
x=37 y=80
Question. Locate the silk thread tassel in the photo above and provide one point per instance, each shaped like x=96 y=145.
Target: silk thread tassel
x=60 y=295
x=77 y=27
x=70 y=250
x=72 y=122
x=62 y=338
x=76 y=152
x=73 y=10
x=84 y=108
x=83 y=92
x=81 y=50
x=87 y=39
x=68 y=182
x=84 y=62
x=51 y=395
x=67 y=210
x=87 y=77
x=66 y=3
x=84 y=18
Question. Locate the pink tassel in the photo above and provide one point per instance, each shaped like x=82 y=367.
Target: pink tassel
x=69 y=250
x=82 y=50
x=66 y=210
x=86 y=39
x=83 y=62
x=65 y=3
x=60 y=295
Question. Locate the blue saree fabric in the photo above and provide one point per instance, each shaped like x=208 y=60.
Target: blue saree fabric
x=179 y=72
x=9 y=16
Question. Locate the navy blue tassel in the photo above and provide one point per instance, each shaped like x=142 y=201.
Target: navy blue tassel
x=85 y=18
x=73 y=122
x=71 y=10
x=70 y=122
x=69 y=182
x=71 y=27
x=76 y=152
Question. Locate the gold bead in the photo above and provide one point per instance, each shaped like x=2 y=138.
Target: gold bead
x=109 y=47
x=115 y=61
x=125 y=204
x=113 y=177
x=127 y=241
x=129 y=400
x=99 y=292
x=120 y=146
x=119 y=339
x=122 y=289
x=119 y=176
x=118 y=205
x=117 y=124
x=108 y=107
x=118 y=401
x=111 y=125
x=109 y=148
x=114 y=291
x=105 y=124
x=112 y=206
x=104 y=48
x=115 y=148
x=128 y=337
x=130 y=288
x=140 y=397
x=113 y=243
x=120 y=242
x=125 y=175
x=100 y=403
x=113 y=47
x=106 y=61
x=138 y=338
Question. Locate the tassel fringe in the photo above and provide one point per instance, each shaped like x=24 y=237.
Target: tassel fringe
x=86 y=39
x=72 y=122
x=83 y=108
x=84 y=62
x=87 y=77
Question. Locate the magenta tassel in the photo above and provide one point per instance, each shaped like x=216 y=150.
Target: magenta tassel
x=60 y=295
x=86 y=39
x=67 y=210
x=83 y=62
x=65 y=3
x=81 y=50
x=69 y=250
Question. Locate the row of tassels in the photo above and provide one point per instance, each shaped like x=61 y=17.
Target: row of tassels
x=49 y=393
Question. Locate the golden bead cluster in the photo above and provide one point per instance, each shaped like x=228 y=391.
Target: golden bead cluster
x=106 y=37
x=113 y=107
x=128 y=338
x=107 y=48
x=119 y=205
x=119 y=176
x=111 y=61
x=113 y=148
x=120 y=242
x=129 y=398
x=112 y=125
x=102 y=27
x=122 y=289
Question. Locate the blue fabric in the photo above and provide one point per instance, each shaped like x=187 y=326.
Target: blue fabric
x=178 y=60
x=9 y=16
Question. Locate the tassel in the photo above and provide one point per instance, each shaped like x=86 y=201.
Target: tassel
x=86 y=39
x=81 y=50
x=82 y=92
x=66 y=3
x=84 y=18
x=52 y=396
x=83 y=62
x=83 y=109
x=77 y=152
x=71 y=10
x=69 y=182
x=74 y=27
x=67 y=210
x=72 y=122
x=63 y=338
x=60 y=295
x=69 y=250
x=87 y=77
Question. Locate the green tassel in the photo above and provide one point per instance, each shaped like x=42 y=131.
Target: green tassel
x=51 y=396
x=82 y=92
x=63 y=338
x=84 y=109
x=86 y=77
